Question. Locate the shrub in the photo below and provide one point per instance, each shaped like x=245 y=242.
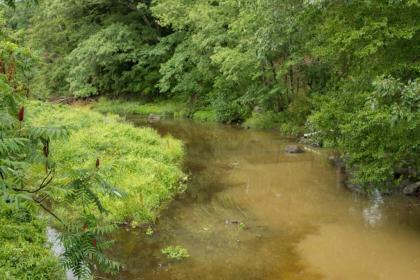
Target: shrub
x=377 y=130
x=25 y=253
x=205 y=116
x=264 y=120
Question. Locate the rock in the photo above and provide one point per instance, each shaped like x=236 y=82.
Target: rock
x=354 y=187
x=310 y=142
x=404 y=183
x=293 y=149
x=412 y=189
x=231 y=222
x=153 y=118
x=310 y=134
x=310 y=139
x=337 y=160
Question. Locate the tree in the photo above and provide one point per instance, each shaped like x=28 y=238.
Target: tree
x=95 y=47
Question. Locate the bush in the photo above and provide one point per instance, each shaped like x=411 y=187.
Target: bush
x=272 y=120
x=264 y=120
x=377 y=130
x=205 y=116
x=24 y=252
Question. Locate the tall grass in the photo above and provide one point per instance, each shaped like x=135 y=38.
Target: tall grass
x=144 y=165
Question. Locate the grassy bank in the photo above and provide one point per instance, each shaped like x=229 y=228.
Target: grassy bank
x=139 y=162
x=165 y=108
x=143 y=166
x=281 y=122
x=123 y=107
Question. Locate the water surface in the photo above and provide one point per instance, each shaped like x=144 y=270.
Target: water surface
x=254 y=212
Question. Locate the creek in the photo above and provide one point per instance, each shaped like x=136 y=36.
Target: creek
x=252 y=211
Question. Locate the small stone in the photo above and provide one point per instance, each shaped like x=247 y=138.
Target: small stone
x=153 y=118
x=337 y=161
x=293 y=149
x=412 y=189
x=354 y=187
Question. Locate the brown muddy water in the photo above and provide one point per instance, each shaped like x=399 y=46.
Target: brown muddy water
x=300 y=222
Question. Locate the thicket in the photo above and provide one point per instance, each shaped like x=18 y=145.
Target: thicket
x=346 y=70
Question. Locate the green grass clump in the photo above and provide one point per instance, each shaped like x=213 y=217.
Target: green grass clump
x=175 y=253
x=166 y=108
x=264 y=120
x=122 y=107
x=24 y=252
x=139 y=162
x=205 y=116
x=281 y=122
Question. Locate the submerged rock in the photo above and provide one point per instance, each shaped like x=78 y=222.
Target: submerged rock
x=354 y=187
x=153 y=118
x=412 y=189
x=231 y=222
x=293 y=149
x=310 y=142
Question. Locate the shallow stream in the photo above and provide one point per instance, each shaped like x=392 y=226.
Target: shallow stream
x=253 y=212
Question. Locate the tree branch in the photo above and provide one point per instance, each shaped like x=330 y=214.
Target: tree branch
x=48 y=211
x=45 y=182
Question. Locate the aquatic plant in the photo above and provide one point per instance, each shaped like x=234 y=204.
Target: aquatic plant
x=175 y=252
x=149 y=231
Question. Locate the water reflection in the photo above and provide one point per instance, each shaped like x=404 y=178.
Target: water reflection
x=58 y=249
x=373 y=213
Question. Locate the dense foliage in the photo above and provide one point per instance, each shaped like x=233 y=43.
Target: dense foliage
x=346 y=70
x=94 y=47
